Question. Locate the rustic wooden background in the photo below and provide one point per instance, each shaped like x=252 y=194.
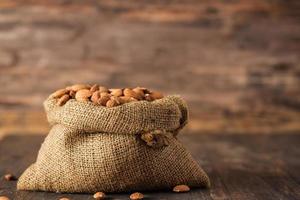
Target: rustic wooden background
x=236 y=62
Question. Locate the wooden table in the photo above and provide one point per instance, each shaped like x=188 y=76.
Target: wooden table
x=240 y=167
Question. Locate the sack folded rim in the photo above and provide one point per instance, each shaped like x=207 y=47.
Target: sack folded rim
x=168 y=113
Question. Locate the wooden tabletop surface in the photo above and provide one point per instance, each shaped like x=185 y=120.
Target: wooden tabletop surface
x=240 y=167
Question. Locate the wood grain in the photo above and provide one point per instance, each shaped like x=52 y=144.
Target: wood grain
x=239 y=166
x=236 y=62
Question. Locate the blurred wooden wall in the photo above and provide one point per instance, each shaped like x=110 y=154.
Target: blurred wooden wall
x=236 y=62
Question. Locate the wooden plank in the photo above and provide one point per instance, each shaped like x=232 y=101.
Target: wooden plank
x=250 y=167
x=240 y=167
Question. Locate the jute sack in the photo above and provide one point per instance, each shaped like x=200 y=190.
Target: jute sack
x=94 y=148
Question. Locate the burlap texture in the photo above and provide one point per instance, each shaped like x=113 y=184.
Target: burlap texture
x=94 y=148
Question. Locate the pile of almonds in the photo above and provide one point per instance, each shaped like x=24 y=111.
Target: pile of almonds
x=103 y=96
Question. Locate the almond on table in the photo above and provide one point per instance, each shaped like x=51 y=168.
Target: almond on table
x=181 y=188
x=136 y=196
x=99 y=195
x=9 y=177
x=103 y=96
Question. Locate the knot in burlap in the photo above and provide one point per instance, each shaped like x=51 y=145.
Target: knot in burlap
x=131 y=147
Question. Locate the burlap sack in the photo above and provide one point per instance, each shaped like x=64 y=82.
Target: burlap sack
x=95 y=148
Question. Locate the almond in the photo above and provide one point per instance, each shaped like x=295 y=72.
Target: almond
x=78 y=87
x=104 y=94
x=136 y=196
x=111 y=103
x=64 y=198
x=103 y=89
x=116 y=99
x=181 y=188
x=72 y=94
x=95 y=97
x=59 y=93
x=103 y=100
x=126 y=99
x=9 y=177
x=145 y=90
x=130 y=93
x=4 y=198
x=69 y=88
x=94 y=88
x=116 y=92
x=83 y=95
x=148 y=97
x=99 y=195
x=156 y=95
x=140 y=92
x=62 y=100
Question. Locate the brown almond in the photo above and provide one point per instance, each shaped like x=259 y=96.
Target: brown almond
x=148 y=97
x=64 y=198
x=145 y=90
x=130 y=93
x=9 y=177
x=136 y=196
x=141 y=88
x=104 y=94
x=94 y=88
x=124 y=99
x=117 y=100
x=111 y=103
x=156 y=95
x=140 y=92
x=59 y=93
x=83 y=95
x=62 y=100
x=127 y=99
x=95 y=97
x=103 y=89
x=99 y=195
x=4 y=198
x=72 y=94
x=69 y=88
x=103 y=100
x=181 y=188
x=116 y=92
x=78 y=87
